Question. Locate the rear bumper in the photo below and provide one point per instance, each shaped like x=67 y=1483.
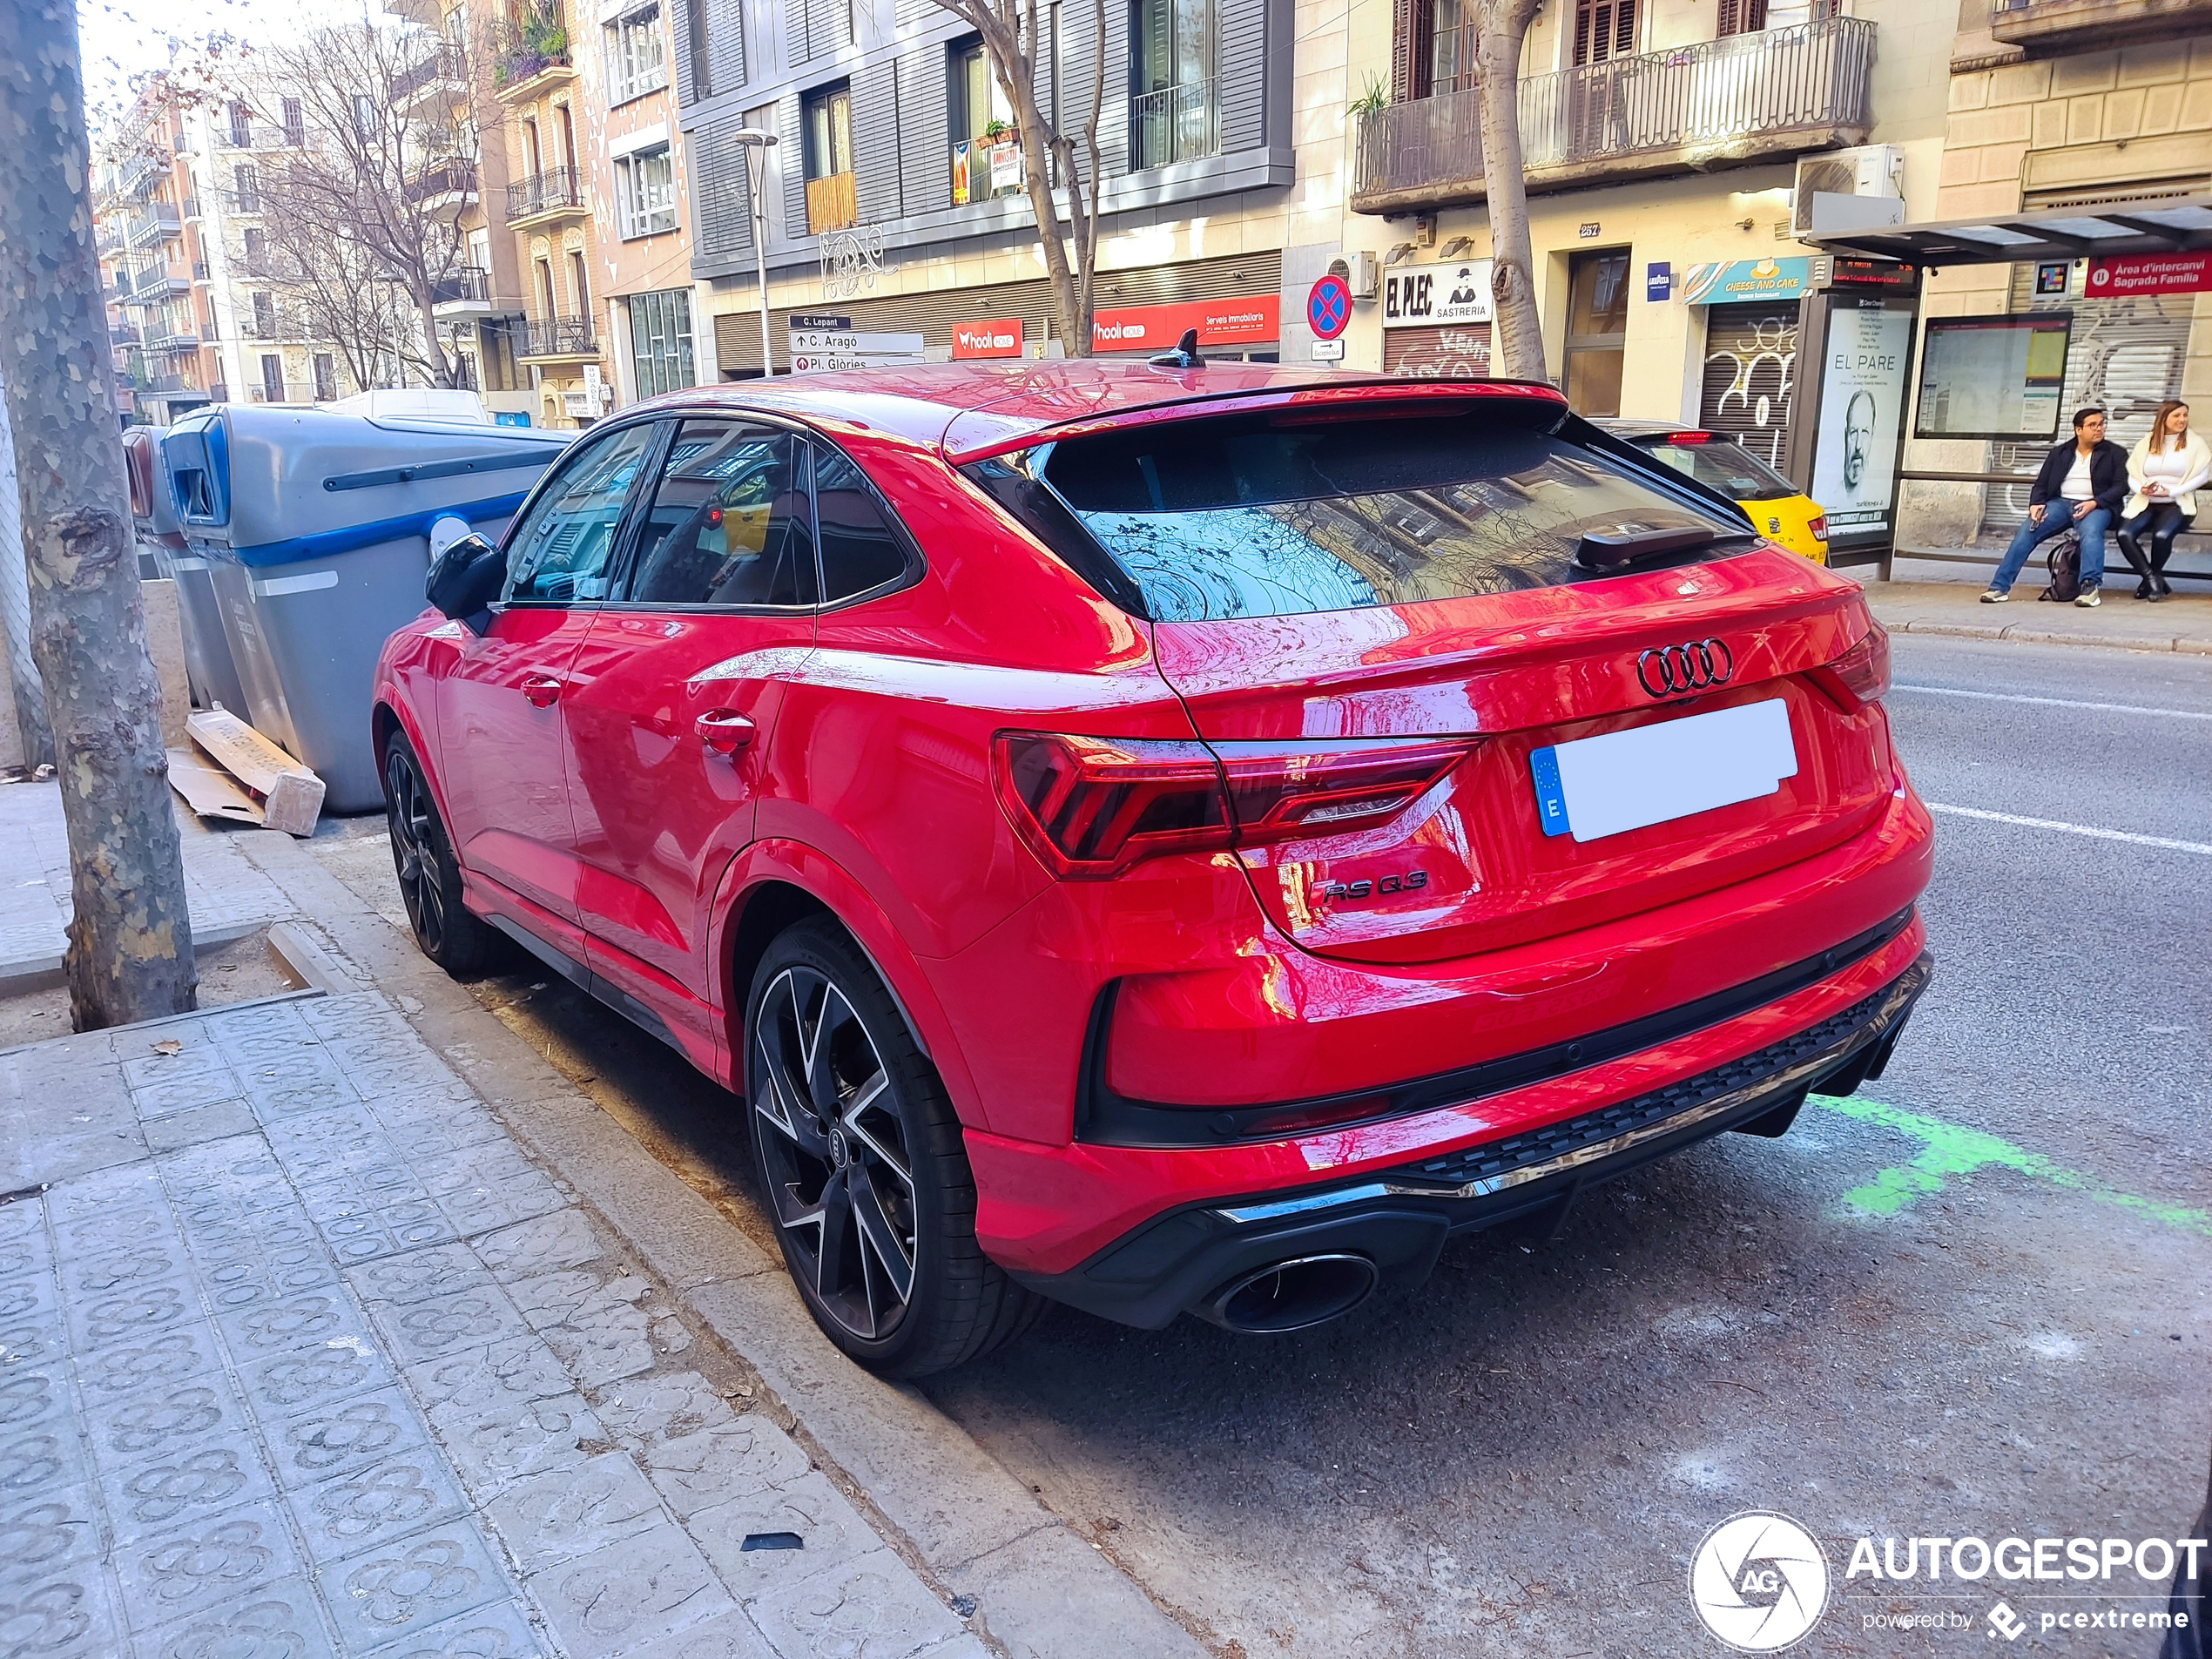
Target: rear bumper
x=1399 y=1217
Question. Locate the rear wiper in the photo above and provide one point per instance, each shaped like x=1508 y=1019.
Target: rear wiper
x=1627 y=544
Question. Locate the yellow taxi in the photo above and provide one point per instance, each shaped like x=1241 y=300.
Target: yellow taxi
x=1778 y=510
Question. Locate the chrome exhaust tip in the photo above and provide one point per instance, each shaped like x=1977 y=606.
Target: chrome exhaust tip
x=1294 y=1295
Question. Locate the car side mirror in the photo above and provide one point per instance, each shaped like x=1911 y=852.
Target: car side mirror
x=466 y=578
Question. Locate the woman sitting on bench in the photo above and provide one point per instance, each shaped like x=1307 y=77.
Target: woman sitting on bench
x=2165 y=470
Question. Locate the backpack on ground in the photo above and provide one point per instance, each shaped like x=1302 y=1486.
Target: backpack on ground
x=2064 y=562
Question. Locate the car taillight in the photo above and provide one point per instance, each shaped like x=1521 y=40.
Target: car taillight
x=1093 y=807
x=1819 y=527
x=1861 y=675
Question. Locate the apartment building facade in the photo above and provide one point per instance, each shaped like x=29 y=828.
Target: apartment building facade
x=1662 y=139
x=892 y=194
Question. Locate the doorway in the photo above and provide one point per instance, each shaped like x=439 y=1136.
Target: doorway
x=1597 y=330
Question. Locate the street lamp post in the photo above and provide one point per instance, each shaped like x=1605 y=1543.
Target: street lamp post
x=756 y=155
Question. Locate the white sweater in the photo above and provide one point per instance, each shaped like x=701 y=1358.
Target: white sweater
x=2183 y=471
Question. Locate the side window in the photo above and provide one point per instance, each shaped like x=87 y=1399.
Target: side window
x=860 y=550
x=729 y=524
x=559 y=554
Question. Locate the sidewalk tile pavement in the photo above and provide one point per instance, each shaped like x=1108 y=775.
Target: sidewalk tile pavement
x=301 y=1355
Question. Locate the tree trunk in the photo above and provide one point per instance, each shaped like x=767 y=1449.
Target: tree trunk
x=130 y=945
x=14 y=610
x=1517 y=333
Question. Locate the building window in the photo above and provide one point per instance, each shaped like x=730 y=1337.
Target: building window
x=295 y=123
x=580 y=280
x=548 y=307
x=256 y=250
x=636 y=56
x=241 y=126
x=246 y=184
x=1744 y=17
x=1604 y=30
x=701 y=66
x=272 y=378
x=830 y=202
x=660 y=341
x=1174 y=115
x=645 y=191
x=264 y=314
x=325 y=377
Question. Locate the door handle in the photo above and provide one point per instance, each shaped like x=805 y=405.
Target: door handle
x=542 y=690
x=724 y=731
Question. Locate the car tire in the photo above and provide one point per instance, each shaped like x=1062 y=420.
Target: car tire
x=862 y=1168
x=446 y=930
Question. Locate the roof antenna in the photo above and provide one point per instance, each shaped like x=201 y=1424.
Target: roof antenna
x=1186 y=354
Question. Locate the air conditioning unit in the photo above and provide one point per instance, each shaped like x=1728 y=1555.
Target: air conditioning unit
x=1362 y=272
x=1849 y=190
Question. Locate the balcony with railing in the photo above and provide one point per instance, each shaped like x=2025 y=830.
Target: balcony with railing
x=172 y=342
x=157 y=285
x=143 y=169
x=467 y=289
x=443 y=189
x=163 y=385
x=1175 y=124
x=123 y=333
x=984 y=169
x=441 y=74
x=531 y=56
x=286 y=392
x=2043 y=26
x=831 y=203
x=274 y=322
x=543 y=198
x=107 y=236
x=1717 y=104
x=547 y=338
x=155 y=222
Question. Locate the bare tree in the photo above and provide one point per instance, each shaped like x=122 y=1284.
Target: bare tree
x=129 y=942
x=336 y=292
x=363 y=200
x=1517 y=334
x=1012 y=42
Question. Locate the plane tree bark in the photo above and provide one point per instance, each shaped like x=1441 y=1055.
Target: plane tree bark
x=1517 y=333
x=129 y=953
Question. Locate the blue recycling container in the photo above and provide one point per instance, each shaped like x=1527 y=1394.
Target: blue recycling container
x=314 y=528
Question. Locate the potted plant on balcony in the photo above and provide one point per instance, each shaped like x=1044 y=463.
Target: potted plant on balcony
x=539 y=41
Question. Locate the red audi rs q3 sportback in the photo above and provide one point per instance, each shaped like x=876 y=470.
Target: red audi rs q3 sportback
x=1163 y=840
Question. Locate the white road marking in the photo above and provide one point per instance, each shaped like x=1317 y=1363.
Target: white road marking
x=2166 y=842
x=2055 y=702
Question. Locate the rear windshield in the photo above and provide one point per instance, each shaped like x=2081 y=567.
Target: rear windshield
x=1261 y=515
x=1729 y=467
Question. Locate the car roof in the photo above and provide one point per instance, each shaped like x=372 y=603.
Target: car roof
x=969 y=410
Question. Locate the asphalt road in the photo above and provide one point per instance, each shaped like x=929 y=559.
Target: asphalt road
x=1976 y=1306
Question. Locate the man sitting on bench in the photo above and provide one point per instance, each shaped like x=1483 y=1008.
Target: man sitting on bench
x=2087 y=479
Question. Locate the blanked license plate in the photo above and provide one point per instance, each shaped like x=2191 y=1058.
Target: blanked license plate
x=1624 y=780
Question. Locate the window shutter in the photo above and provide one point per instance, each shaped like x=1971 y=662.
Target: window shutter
x=1401 y=51
x=875 y=144
x=790 y=155
x=1242 y=87
x=925 y=129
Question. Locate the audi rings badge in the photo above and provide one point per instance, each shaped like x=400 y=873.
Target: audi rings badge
x=1675 y=670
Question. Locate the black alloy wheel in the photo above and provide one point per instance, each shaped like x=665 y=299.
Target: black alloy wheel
x=861 y=1160
x=430 y=875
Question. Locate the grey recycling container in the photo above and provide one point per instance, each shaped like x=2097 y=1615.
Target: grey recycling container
x=314 y=525
x=208 y=665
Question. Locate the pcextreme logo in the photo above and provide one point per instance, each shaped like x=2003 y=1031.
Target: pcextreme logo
x=1759 y=1582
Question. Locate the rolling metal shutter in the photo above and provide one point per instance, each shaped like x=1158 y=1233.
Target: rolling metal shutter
x=1751 y=376
x=1457 y=353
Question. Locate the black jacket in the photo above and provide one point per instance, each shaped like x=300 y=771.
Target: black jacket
x=2108 y=474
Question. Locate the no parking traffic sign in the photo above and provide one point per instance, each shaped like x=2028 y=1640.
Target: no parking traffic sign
x=1328 y=306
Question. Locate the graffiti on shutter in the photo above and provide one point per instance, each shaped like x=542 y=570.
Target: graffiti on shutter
x=1751 y=376
x=1455 y=353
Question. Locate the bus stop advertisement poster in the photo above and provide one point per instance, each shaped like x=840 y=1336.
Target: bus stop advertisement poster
x=1864 y=386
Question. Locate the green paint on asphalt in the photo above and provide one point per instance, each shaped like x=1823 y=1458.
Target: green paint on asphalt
x=1954 y=1150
